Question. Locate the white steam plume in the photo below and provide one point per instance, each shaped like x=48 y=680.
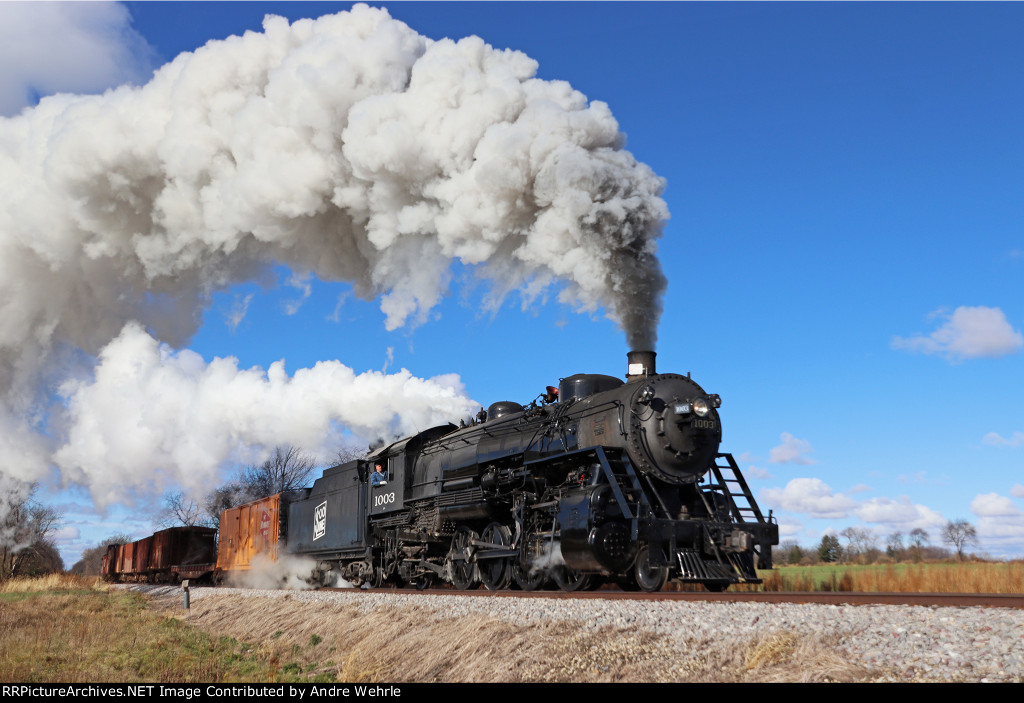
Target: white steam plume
x=151 y=407
x=349 y=147
x=288 y=571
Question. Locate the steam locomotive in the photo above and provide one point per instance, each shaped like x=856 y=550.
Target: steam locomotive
x=594 y=481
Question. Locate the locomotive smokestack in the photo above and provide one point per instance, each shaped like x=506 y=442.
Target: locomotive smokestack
x=641 y=364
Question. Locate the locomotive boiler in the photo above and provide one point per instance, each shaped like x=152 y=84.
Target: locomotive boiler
x=596 y=481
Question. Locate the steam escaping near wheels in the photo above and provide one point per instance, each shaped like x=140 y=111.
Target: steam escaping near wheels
x=287 y=571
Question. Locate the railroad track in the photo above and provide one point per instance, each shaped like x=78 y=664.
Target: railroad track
x=956 y=600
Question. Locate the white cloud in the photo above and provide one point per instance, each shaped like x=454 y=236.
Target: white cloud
x=758 y=473
x=913 y=478
x=900 y=512
x=82 y=47
x=335 y=315
x=303 y=283
x=1017 y=491
x=809 y=495
x=1008 y=531
x=993 y=505
x=1002 y=535
x=238 y=311
x=968 y=333
x=996 y=440
x=791 y=451
x=68 y=533
x=789 y=528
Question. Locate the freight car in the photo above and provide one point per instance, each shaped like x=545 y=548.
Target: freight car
x=254 y=531
x=594 y=481
x=164 y=557
x=247 y=532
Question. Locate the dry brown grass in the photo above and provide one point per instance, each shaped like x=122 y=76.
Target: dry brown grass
x=412 y=644
x=944 y=578
x=53 y=582
x=939 y=577
x=61 y=630
x=778 y=657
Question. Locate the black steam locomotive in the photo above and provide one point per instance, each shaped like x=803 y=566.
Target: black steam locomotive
x=597 y=480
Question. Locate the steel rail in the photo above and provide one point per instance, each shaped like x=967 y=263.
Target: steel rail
x=955 y=600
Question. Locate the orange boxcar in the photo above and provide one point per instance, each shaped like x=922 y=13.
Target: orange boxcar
x=248 y=530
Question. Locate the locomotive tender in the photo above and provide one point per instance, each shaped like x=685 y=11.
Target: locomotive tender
x=597 y=480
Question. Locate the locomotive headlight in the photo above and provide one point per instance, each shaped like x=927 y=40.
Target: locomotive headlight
x=701 y=407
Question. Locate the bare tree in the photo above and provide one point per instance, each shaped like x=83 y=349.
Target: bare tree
x=894 y=548
x=287 y=468
x=850 y=535
x=39 y=559
x=26 y=531
x=180 y=510
x=869 y=546
x=918 y=540
x=347 y=454
x=223 y=497
x=861 y=544
x=959 y=534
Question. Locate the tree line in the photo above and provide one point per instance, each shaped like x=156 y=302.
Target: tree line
x=857 y=545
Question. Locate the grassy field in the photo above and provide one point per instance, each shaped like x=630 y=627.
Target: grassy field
x=941 y=577
x=69 y=630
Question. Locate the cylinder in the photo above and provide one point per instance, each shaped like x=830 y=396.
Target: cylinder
x=641 y=364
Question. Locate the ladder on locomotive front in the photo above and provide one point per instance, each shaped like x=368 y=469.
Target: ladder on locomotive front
x=741 y=504
x=726 y=479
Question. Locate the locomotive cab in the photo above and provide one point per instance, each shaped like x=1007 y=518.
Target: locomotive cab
x=388 y=495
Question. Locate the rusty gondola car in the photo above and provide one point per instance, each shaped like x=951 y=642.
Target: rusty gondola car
x=167 y=556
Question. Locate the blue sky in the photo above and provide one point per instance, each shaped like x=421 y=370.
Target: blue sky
x=844 y=252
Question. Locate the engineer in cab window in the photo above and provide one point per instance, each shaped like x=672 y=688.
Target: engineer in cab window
x=378 y=477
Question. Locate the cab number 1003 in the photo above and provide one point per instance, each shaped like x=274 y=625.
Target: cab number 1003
x=383 y=499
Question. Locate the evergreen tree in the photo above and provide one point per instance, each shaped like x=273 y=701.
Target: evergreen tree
x=829 y=550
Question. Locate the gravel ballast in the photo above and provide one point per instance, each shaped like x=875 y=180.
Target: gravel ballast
x=899 y=643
